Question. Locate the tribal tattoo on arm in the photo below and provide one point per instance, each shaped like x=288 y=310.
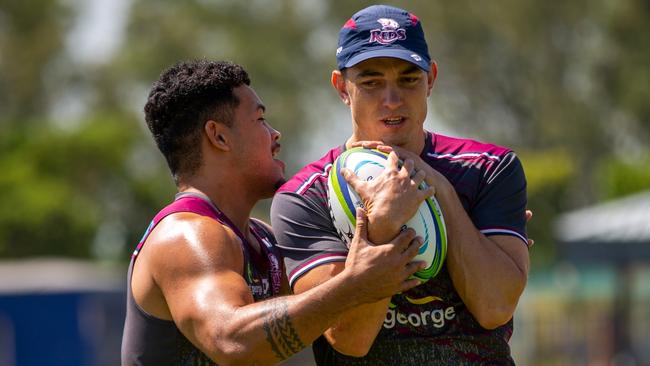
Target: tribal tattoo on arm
x=280 y=333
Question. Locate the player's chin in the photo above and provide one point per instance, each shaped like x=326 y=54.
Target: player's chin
x=273 y=185
x=279 y=183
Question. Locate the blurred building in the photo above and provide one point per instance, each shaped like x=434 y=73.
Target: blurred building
x=60 y=312
x=614 y=232
x=594 y=307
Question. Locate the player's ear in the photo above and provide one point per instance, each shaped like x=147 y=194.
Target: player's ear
x=218 y=135
x=431 y=76
x=338 y=82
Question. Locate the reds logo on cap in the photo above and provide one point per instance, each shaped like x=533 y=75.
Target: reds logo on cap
x=382 y=31
x=390 y=32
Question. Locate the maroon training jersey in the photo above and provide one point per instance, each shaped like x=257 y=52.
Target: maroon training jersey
x=428 y=325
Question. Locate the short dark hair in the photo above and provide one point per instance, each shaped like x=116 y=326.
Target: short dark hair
x=186 y=96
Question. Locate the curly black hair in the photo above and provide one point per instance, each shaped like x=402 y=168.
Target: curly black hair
x=186 y=96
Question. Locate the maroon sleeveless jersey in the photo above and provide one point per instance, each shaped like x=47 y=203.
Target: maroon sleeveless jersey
x=148 y=340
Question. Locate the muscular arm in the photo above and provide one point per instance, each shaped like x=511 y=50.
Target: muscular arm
x=198 y=269
x=355 y=329
x=489 y=273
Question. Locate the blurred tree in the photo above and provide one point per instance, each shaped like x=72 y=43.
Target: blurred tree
x=31 y=35
x=565 y=84
x=67 y=175
x=268 y=37
x=618 y=176
x=540 y=75
x=51 y=208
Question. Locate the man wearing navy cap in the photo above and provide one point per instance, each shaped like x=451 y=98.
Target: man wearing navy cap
x=463 y=315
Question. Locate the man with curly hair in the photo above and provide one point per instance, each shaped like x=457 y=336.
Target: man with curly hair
x=204 y=283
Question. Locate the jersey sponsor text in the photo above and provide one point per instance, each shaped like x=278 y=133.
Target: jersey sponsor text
x=438 y=318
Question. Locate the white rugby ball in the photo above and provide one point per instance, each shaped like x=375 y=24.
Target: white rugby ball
x=427 y=222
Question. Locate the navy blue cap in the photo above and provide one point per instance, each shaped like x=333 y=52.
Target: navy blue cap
x=382 y=31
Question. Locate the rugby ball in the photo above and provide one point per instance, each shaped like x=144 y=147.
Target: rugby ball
x=427 y=222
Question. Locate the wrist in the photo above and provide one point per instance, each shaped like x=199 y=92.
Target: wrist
x=348 y=288
x=382 y=229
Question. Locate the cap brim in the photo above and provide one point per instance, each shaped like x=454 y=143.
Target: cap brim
x=405 y=55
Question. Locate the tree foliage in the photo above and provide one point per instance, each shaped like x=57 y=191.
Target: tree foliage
x=564 y=84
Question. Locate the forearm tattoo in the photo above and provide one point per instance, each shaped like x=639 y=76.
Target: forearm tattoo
x=280 y=334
